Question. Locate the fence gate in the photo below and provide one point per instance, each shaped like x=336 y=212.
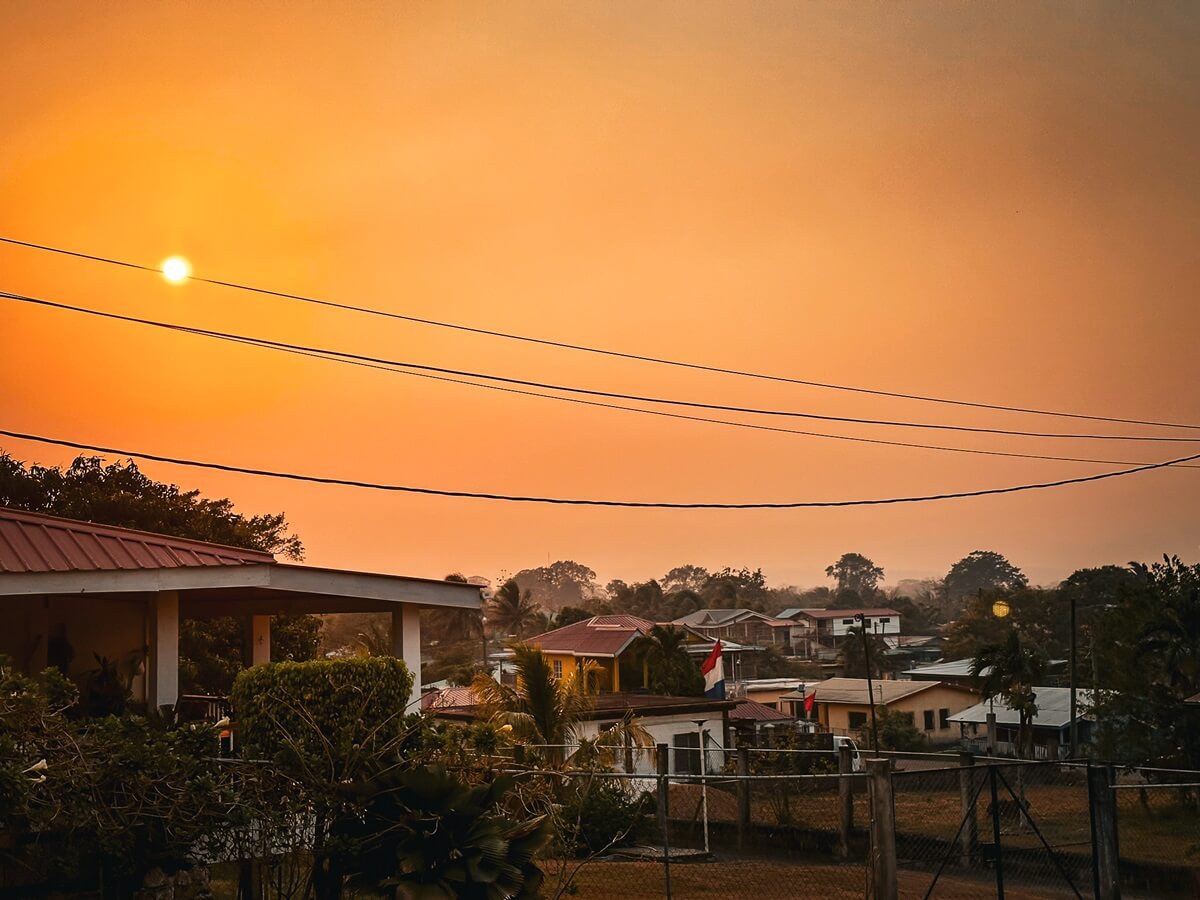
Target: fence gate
x=996 y=830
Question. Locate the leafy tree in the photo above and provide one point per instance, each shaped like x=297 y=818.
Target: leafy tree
x=672 y=669
x=736 y=589
x=1037 y=614
x=210 y=650
x=981 y=570
x=1149 y=644
x=856 y=577
x=561 y=583
x=119 y=494
x=685 y=578
x=1012 y=670
x=569 y=615
x=512 y=610
x=680 y=603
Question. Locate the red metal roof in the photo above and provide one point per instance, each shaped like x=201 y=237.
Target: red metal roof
x=597 y=636
x=753 y=711
x=33 y=542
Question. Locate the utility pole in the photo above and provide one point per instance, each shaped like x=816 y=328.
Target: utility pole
x=862 y=628
x=1074 y=723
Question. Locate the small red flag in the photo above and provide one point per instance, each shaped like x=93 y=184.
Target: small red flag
x=809 y=702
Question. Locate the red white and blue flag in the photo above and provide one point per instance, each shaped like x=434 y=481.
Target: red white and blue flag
x=713 y=671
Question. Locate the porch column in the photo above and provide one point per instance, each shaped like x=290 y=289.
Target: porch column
x=260 y=640
x=406 y=644
x=162 y=666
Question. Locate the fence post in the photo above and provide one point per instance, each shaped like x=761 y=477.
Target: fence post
x=997 y=848
x=845 y=800
x=991 y=734
x=883 y=830
x=743 y=792
x=970 y=832
x=1105 y=850
x=664 y=784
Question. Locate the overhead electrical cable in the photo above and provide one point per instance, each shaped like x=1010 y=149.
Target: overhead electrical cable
x=571 y=501
x=566 y=345
x=613 y=395
x=708 y=420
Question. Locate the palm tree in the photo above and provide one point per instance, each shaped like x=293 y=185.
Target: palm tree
x=672 y=670
x=541 y=709
x=512 y=611
x=1012 y=670
x=852 y=654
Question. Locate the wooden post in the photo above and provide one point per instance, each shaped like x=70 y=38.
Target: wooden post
x=743 y=793
x=970 y=831
x=883 y=830
x=845 y=800
x=991 y=734
x=1105 y=849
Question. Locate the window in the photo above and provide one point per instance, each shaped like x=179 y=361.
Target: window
x=847 y=621
x=944 y=718
x=929 y=720
x=558 y=668
x=885 y=620
x=857 y=719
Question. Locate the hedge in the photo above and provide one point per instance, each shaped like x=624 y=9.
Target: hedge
x=331 y=711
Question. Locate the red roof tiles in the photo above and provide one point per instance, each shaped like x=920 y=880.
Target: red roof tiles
x=33 y=542
x=753 y=711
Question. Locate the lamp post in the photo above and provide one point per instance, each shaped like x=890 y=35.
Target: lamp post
x=862 y=628
x=703 y=781
x=483 y=635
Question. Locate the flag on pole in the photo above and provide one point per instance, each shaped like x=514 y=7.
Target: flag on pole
x=713 y=671
x=809 y=702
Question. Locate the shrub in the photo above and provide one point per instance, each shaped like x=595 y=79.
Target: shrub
x=603 y=813
x=328 y=714
x=425 y=833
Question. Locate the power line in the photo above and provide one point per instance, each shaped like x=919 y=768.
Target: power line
x=566 y=345
x=706 y=419
x=613 y=395
x=565 y=501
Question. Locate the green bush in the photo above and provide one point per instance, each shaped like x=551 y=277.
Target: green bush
x=604 y=813
x=330 y=714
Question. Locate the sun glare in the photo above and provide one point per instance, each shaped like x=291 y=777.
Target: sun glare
x=176 y=269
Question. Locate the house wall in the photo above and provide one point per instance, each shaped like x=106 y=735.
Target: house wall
x=92 y=625
x=610 y=676
x=663 y=730
x=836 y=717
x=770 y=696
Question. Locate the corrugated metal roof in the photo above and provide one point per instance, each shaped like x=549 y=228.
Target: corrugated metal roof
x=854 y=690
x=1053 y=708
x=597 y=636
x=753 y=711
x=33 y=542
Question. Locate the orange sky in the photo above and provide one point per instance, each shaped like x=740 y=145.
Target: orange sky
x=992 y=202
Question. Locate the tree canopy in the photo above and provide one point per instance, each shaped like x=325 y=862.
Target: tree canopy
x=857 y=579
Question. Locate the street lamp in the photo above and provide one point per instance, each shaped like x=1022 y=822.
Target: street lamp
x=862 y=628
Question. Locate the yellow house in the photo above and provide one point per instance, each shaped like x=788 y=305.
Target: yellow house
x=602 y=640
x=841 y=705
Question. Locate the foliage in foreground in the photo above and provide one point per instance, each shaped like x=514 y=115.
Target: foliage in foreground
x=423 y=834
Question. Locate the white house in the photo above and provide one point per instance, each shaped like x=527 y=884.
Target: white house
x=813 y=629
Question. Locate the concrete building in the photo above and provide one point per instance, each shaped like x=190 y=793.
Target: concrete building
x=815 y=631
x=842 y=708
